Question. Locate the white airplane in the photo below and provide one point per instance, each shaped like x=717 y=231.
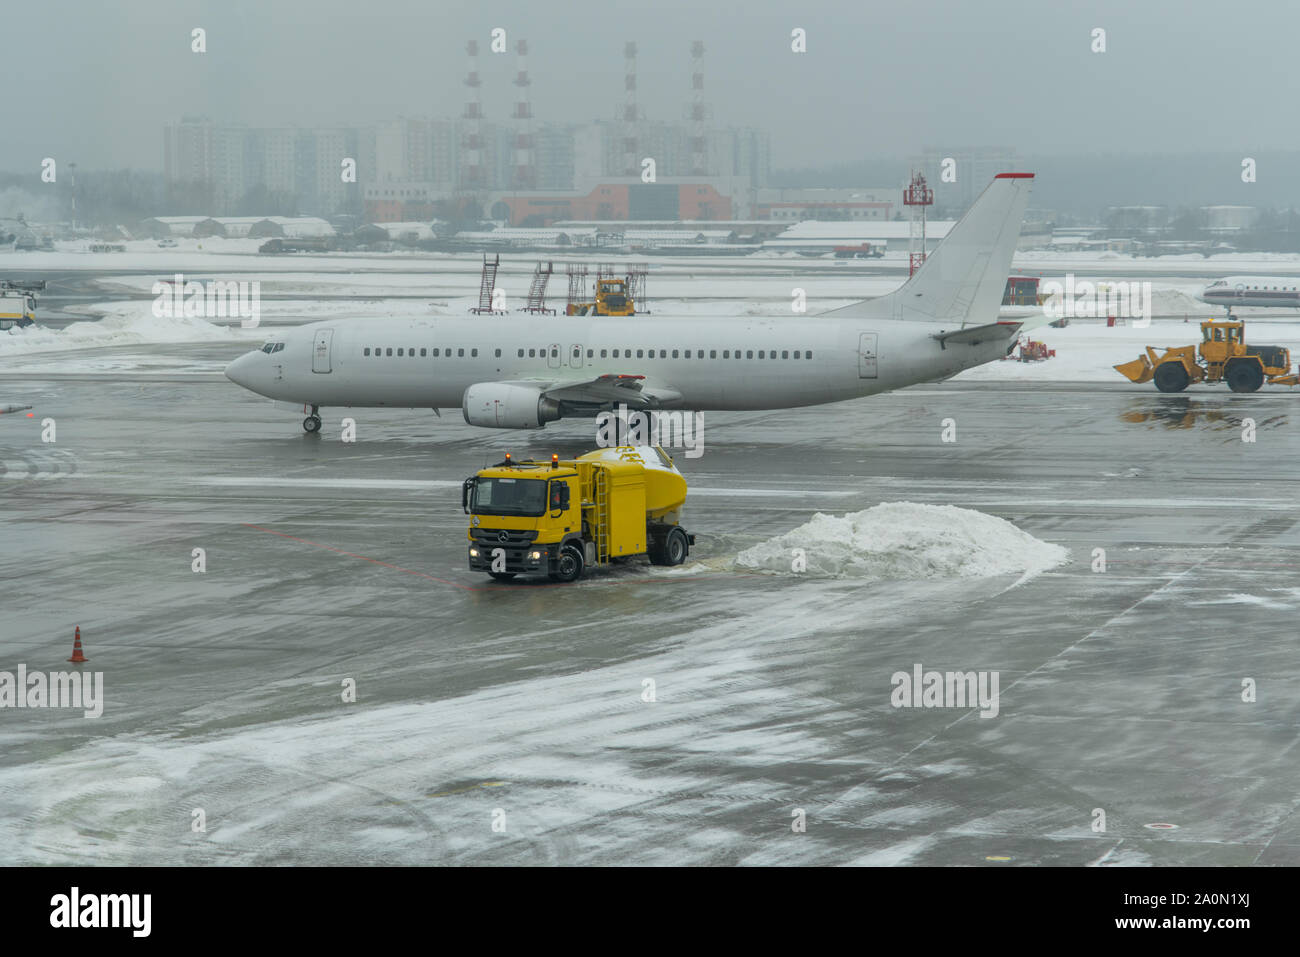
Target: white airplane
x=1253 y=291
x=520 y=373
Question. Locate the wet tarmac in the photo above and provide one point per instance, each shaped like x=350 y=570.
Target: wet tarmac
x=499 y=724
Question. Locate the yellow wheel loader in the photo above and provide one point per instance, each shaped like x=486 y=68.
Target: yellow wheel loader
x=612 y=299
x=1222 y=355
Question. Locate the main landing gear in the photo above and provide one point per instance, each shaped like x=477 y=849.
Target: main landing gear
x=311 y=424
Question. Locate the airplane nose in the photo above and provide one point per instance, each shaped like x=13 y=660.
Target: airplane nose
x=242 y=370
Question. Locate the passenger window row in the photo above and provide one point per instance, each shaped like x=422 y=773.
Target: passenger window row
x=554 y=353
x=699 y=354
x=410 y=353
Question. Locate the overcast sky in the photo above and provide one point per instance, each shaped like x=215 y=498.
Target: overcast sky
x=92 y=81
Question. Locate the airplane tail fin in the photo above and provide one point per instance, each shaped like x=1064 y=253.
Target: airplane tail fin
x=964 y=279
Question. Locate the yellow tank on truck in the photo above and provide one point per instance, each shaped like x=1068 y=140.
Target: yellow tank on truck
x=665 y=487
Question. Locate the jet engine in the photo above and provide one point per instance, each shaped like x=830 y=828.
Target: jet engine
x=506 y=405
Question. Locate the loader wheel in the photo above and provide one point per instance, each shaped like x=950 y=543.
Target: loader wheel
x=1171 y=377
x=1245 y=377
x=568 y=567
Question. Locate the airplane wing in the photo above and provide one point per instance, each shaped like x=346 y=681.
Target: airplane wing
x=974 y=335
x=632 y=390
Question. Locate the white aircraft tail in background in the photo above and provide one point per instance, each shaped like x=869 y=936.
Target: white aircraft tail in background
x=965 y=277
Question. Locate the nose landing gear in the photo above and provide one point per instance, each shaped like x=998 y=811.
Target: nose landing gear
x=311 y=424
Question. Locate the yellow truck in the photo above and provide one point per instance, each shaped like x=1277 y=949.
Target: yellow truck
x=560 y=518
x=18 y=303
x=1222 y=355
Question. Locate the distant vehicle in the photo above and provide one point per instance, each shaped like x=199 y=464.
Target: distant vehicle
x=1022 y=291
x=108 y=247
x=321 y=244
x=1268 y=291
x=612 y=299
x=860 y=251
x=166 y=243
x=18 y=302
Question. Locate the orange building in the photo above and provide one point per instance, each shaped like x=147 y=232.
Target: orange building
x=613 y=201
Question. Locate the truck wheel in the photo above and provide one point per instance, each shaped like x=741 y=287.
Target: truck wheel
x=1171 y=377
x=1245 y=377
x=569 y=566
x=503 y=576
x=676 y=547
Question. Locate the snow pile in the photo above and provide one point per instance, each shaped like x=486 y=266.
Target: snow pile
x=124 y=324
x=1087 y=350
x=1175 y=301
x=905 y=540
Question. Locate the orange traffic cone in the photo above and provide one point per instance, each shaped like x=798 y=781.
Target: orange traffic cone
x=77 y=656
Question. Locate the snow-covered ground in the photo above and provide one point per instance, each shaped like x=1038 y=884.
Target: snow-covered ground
x=123 y=324
x=214 y=254
x=1222 y=264
x=1087 y=350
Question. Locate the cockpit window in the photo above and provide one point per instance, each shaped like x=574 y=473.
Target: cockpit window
x=273 y=347
x=268 y=347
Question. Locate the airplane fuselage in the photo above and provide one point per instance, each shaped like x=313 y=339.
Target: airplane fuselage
x=1267 y=291
x=714 y=364
x=513 y=372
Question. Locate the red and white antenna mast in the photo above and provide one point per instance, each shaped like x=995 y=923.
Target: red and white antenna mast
x=631 y=114
x=471 y=168
x=525 y=172
x=917 y=196
x=699 y=112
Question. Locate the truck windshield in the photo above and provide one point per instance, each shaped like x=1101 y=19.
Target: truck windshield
x=508 y=496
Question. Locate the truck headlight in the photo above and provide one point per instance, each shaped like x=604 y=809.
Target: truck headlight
x=473 y=553
x=535 y=555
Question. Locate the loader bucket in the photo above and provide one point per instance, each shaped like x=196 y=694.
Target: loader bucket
x=1139 y=370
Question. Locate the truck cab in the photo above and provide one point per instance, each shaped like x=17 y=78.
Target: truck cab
x=522 y=514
